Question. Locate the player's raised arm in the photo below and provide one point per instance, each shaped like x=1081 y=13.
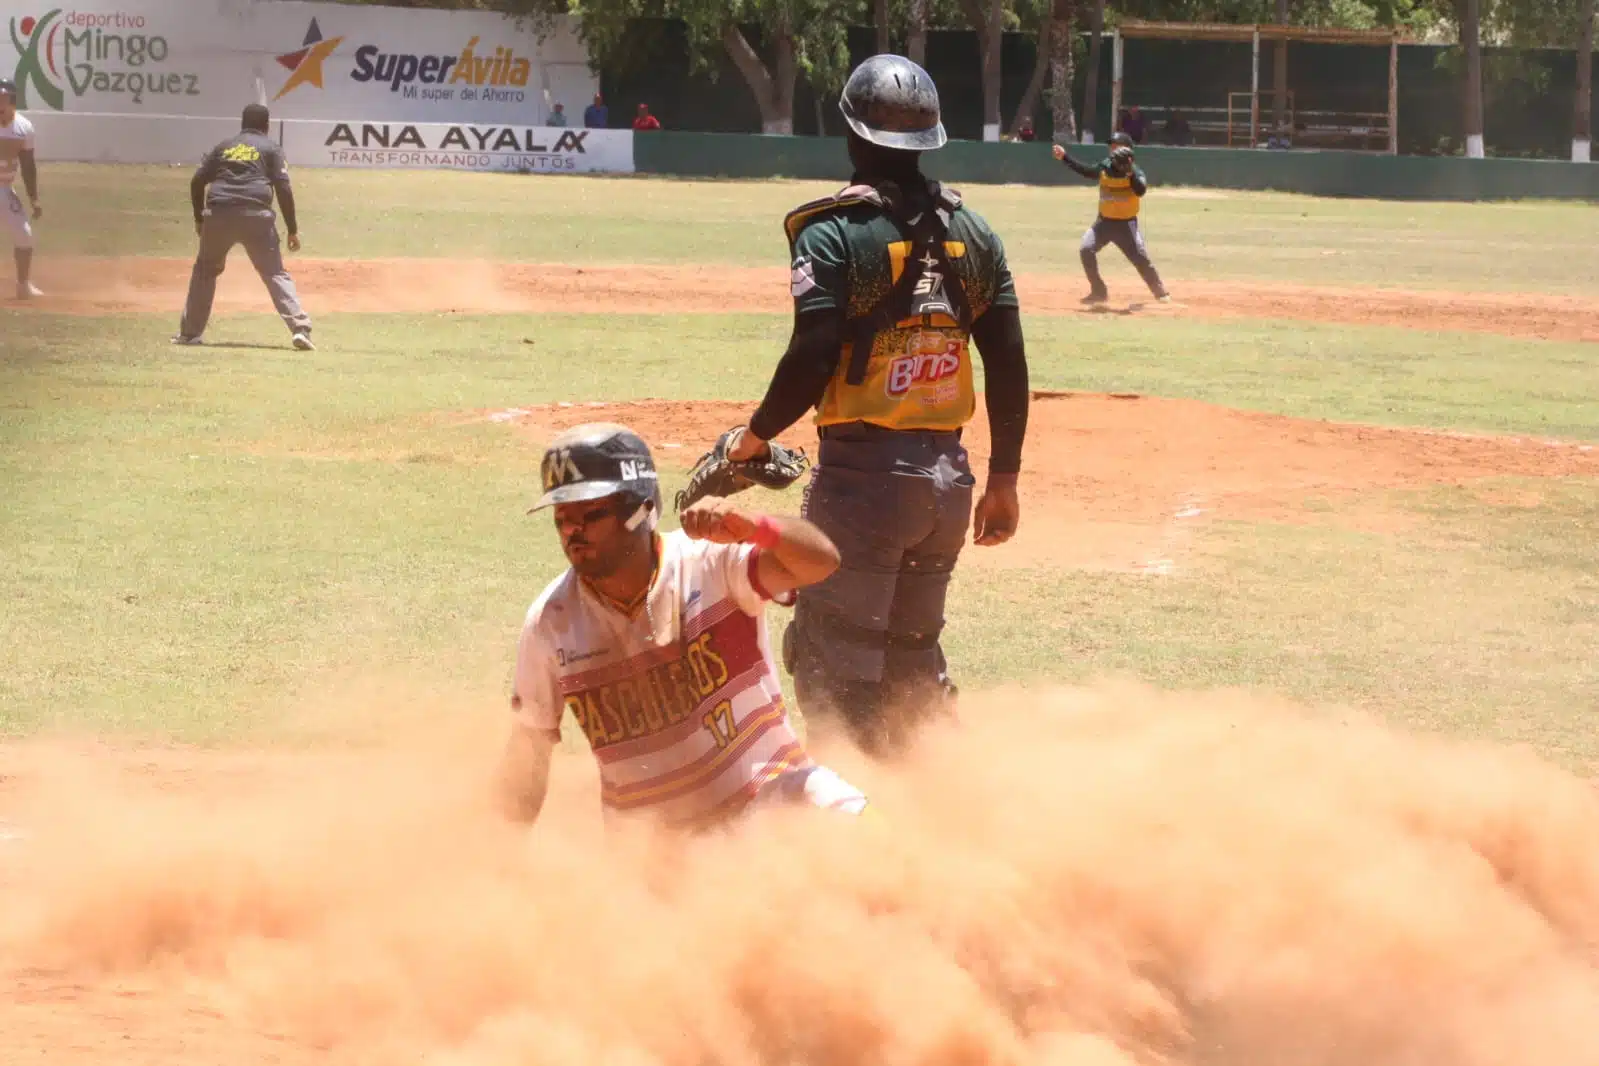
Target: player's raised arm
x=1060 y=153
x=794 y=553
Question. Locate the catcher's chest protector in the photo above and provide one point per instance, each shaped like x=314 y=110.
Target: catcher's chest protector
x=928 y=283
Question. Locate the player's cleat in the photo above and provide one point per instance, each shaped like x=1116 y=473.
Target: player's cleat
x=1096 y=298
x=1164 y=298
x=302 y=341
x=185 y=339
x=27 y=290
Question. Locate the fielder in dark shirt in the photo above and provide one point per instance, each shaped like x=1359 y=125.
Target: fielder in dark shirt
x=231 y=194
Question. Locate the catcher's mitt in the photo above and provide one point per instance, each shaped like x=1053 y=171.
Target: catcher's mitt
x=717 y=475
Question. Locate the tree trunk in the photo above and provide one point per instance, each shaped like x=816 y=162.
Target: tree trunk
x=988 y=23
x=1091 y=87
x=916 y=35
x=1062 y=69
x=774 y=93
x=1471 y=41
x=1028 y=108
x=1582 y=117
x=885 y=41
x=1280 y=81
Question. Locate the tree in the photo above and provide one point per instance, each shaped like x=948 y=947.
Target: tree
x=885 y=40
x=1062 y=28
x=987 y=17
x=1096 y=29
x=1471 y=43
x=798 y=36
x=1582 y=112
x=916 y=33
x=1034 y=18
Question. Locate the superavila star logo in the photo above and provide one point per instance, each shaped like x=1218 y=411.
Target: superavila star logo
x=305 y=65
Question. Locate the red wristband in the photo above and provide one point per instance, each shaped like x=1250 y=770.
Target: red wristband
x=765 y=535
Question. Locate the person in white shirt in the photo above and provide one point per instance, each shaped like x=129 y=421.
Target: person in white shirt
x=658 y=647
x=16 y=153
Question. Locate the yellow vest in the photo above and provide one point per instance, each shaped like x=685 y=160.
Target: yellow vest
x=918 y=377
x=1116 y=196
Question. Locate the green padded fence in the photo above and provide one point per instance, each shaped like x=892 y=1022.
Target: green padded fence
x=1330 y=173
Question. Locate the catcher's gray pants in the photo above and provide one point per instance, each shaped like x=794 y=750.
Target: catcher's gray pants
x=1125 y=234
x=864 y=644
x=258 y=232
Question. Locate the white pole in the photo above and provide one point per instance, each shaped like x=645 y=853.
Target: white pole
x=1115 y=79
x=1254 y=92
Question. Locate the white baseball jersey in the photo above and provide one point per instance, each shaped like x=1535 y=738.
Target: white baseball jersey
x=681 y=702
x=14 y=140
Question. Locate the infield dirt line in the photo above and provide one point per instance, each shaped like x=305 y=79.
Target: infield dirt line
x=101 y=286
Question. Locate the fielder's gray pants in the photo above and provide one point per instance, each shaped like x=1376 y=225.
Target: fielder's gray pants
x=864 y=644
x=1125 y=234
x=259 y=235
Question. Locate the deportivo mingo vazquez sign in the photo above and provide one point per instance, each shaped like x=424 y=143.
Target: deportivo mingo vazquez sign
x=63 y=54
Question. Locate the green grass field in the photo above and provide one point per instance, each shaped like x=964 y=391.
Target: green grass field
x=199 y=541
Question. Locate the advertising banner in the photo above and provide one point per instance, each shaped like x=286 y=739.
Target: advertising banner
x=458 y=146
x=67 y=137
x=209 y=58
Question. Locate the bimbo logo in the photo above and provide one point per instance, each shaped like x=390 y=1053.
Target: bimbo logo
x=81 y=52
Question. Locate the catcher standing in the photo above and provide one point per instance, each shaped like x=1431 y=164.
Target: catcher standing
x=891 y=278
x=1122 y=186
x=658 y=646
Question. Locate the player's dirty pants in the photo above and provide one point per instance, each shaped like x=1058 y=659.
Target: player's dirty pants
x=864 y=644
x=1125 y=234
x=259 y=235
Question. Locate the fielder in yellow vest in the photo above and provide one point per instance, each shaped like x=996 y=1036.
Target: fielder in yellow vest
x=1122 y=186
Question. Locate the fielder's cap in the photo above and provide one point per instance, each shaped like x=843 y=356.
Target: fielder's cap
x=892 y=103
x=8 y=87
x=596 y=460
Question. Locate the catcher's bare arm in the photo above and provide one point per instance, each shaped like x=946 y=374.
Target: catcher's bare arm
x=802 y=374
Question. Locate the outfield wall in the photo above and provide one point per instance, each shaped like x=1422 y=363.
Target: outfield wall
x=1331 y=173
x=538 y=149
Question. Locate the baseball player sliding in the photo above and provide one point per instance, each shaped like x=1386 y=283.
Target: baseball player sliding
x=231 y=193
x=1122 y=186
x=657 y=645
x=16 y=153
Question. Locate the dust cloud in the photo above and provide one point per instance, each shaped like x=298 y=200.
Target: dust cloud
x=1097 y=877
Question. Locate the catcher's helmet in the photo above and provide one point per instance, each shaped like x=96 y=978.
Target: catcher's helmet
x=596 y=460
x=893 y=103
x=1121 y=139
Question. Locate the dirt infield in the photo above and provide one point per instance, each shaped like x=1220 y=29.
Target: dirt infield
x=97 y=286
x=1121 y=878
x=1125 y=475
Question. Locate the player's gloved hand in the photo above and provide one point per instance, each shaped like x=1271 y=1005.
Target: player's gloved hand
x=294 y=242
x=998 y=512
x=715 y=519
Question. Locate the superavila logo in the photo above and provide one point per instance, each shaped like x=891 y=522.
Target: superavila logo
x=84 y=52
x=500 y=75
